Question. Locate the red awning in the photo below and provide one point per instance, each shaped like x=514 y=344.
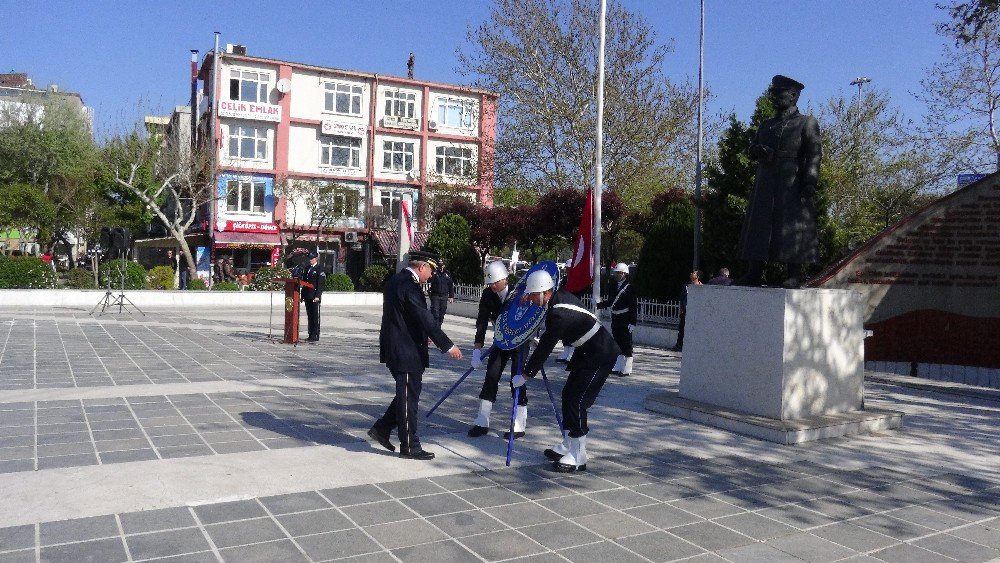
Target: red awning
x=227 y=239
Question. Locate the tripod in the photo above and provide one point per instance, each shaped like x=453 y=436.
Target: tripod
x=110 y=300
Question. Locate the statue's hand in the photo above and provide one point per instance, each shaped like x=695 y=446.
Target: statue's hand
x=761 y=152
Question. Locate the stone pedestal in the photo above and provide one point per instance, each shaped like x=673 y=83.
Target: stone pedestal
x=782 y=365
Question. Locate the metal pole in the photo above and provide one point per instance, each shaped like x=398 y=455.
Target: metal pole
x=194 y=99
x=598 y=171
x=697 y=173
x=214 y=136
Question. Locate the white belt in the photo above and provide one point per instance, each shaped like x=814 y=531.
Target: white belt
x=590 y=334
x=619 y=311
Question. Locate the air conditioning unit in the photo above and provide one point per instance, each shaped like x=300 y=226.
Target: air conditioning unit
x=351 y=237
x=432 y=125
x=390 y=121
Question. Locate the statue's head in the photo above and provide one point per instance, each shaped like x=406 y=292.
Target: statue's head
x=784 y=91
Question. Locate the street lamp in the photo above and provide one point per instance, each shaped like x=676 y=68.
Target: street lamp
x=859 y=82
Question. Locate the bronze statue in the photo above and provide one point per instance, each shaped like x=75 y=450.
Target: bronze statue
x=780 y=224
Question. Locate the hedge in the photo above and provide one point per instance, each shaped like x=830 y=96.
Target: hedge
x=135 y=274
x=26 y=272
x=263 y=279
x=197 y=284
x=161 y=277
x=374 y=277
x=225 y=286
x=339 y=282
x=80 y=278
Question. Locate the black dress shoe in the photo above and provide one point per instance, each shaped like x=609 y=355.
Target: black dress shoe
x=477 y=431
x=566 y=468
x=382 y=440
x=422 y=455
x=552 y=455
x=506 y=435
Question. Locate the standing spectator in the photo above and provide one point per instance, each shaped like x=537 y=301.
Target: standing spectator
x=442 y=293
x=184 y=274
x=228 y=272
x=695 y=279
x=217 y=270
x=722 y=278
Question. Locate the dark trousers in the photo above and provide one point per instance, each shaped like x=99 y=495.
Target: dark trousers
x=494 y=370
x=312 y=313
x=582 y=386
x=619 y=331
x=402 y=411
x=184 y=275
x=680 y=329
x=439 y=305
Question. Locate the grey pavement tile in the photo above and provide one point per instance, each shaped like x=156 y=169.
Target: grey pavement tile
x=177 y=440
x=560 y=534
x=962 y=482
x=663 y=516
x=961 y=509
x=405 y=533
x=334 y=545
x=314 y=522
x=222 y=437
x=17 y=537
x=523 y=514
x=854 y=537
x=17 y=441
x=957 y=548
x=65 y=449
x=837 y=507
x=573 y=506
x=490 y=496
x=586 y=482
x=460 y=524
x=128 y=455
x=462 y=481
x=748 y=499
x=440 y=552
x=795 y=515
x=22 y=452
x=757 y=553
x=706 y=507
x=756 y=526
x=229 y=511
x=536 y=490
x=156 y=520
x=77 y=529
x=894 y=527
x=21 y=556
x=169 y=430
x=613 y=525
x=122 y=434
x=904 y=494
x=243 y=532
x=378 y=513
x=711 y=536
x=809 y=547
x=628 y=477
x=980 y=534
x=270 y=552
x=927 y=517
x=294 y=502
x=201 y=557
x=410 y=488
x=171 y=542
x=547 y=557
x=433 y=505
x=184 y=451
x=672 y=490
x=906 y=553
x=122 y=445
x=361 y=494
x=622 y=498
x=109 y=550
x=603 y=551
x=661 y=546
x=237 y=447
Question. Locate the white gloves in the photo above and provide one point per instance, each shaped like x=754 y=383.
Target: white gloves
x=477 y=358
x=631 y=328
x=517 y=381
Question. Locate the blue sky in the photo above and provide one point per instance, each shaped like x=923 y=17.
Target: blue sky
x=132 y=58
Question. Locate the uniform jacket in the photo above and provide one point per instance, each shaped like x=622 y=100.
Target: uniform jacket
x=317 y=277
x=571 y=325
x=781 y=217
x=489 y=309
x=623 y=306
x=442 y=284
x=406 y=326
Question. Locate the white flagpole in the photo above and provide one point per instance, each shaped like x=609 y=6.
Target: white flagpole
x=698 y=165
x=598 y=171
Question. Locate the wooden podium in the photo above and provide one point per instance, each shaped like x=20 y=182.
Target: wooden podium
x=293 y=295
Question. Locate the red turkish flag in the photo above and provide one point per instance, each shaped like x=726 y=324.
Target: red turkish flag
x=581 y=273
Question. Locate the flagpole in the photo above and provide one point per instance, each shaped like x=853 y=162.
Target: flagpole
x=697 y=173
x=598 y=171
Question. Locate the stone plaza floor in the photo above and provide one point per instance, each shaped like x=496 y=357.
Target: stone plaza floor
x=193 y=435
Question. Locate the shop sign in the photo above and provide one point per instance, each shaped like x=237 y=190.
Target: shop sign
x=347 y=129
x=249 y=110
x=250 y=227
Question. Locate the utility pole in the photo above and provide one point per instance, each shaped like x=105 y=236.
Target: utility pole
x=697 y=173
x=859 y=82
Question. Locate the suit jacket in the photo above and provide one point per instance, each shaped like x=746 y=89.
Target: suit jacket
x=317 y=277
x=623 y=306
x=570 y=325
x=406 y=326
x=489 y=309
x=442 y=284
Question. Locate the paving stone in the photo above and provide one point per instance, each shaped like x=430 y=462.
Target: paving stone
x=560 y=534
x=379 y=513
x=128 y=456
x=536 y=490
x=460 y=524
x=809 y=547
x=573 y=506
x=270 y=552
x=613 y=525
x=236 y=447
x=795 y=515
x=440 y=552
x=663 y=516
x=706 y=507
x=980 y=534
x=957 y=548
x=490 y=496
x=17 y=537
x=894 y=527
x=410 y=488
x=622 y=499
x=156 y=520
x=360 y=494
x=906 y=553
x=757 y=553
x=77 y=529
x=462 y=481
x=603 y=551
x=332 y=545
x=522 y=514
x=162 y=544
x=672 y=490
x=21 y=556
x=661 y=546
x=433 y=505
x=109 y=550
x=854 y=537
x=243 y=532
x=926 y=517
x=960 y=509
x=295 y=502
x=756 y=526
x=229 y=511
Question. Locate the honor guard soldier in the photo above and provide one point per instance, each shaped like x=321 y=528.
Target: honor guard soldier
x=490 y=305
x=567 y=351
x=406 y=326
x=594 y=355
x=442 y=292
x=624 y=314
x=311 y=296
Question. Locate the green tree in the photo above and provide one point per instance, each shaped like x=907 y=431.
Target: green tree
x=451 y=238
x=666 y=255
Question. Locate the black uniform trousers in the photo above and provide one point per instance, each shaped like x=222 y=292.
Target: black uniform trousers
x=494 y=370
x=439 y=305
x=402 y=411
x=312 y=313
x=582 y=387
x=680 y=329
x=619 y=331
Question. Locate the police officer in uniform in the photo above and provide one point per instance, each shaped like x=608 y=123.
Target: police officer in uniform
x=312 y=296
x=594 y=355
x=442 y=293
x=490 y=305
x=624 y=315
x=406 y=325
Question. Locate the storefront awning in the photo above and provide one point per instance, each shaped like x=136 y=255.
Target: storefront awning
x=193 y=240
x=225 y=239
x=388 y=244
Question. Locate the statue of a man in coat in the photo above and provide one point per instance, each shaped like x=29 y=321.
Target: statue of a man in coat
x=780 y=224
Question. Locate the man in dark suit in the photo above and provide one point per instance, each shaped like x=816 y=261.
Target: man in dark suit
x=722 y=278
x=406 y=325
x=442 y=292
x=311 y=296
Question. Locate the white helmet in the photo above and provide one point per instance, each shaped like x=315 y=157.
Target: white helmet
x=538 y=282
x=621 y=267
x=569 y=264
x=495 y=271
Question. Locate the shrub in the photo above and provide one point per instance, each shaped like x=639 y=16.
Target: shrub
x=339 y=282
x=374 y=276
x=197 y=284
x=161 y=277
x=666 y=255
x=263 y=279
x=80 y=278
x=135 y=274
x=26 y=272
x=226 y=286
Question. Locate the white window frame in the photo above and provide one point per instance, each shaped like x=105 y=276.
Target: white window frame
x=394 y=199
x=336 y=196
x=261 y=91
x=237 y=136
x=465 y=160
x=400 y=148
x=395 y=99
x=442 y=112
x=251 y=186
x=333 y=88
x=329 y=143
